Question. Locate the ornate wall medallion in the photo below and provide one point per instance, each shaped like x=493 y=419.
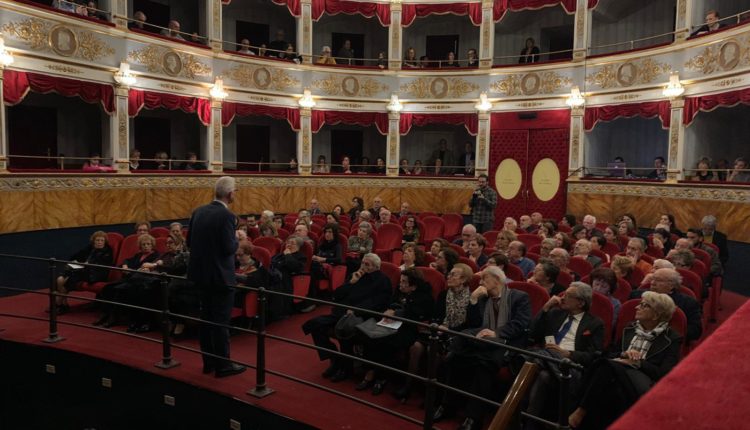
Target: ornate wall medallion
x=171 y=63
x=638 y=72
x=158 y=59
x=63 y=41
x=530 y=84
x=350 y=86
x=438 y=88
x=729 y=55
x=261 y=78
x=627 y=74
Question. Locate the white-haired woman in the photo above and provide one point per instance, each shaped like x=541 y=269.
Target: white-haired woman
x=649 y=350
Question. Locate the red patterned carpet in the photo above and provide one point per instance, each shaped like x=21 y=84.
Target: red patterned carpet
x=716 y=402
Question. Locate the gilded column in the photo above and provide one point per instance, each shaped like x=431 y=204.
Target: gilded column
x=3 y=126
x=483 y=145
x=676 y=156
x=582 y=30
x=304 y=142
x=214 y=27
x=119 y=131
x=394 y=37
x=304 y=31
x=394 y=142
x=683 y=19
x=214 y=148
x=120 y=13
x=487 y=31
x=577 y=136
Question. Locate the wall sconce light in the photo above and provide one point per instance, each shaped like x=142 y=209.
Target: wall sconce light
x=6 y=58
x=484 y=105
x=674 y=88
x=576 y=98
x=217 y=91
x=306 y=101
x=395 y=105
x=123 y=76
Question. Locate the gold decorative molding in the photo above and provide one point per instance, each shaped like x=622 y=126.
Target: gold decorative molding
x=172 y=87
x=674 y=137
x=629 y=73
x=437 y=107
x=530 y=84
x=65 y=41
x=721 y=56
x=261 y=99
x=351 y=105
x=529 y=104
x=159 y=59
x=64 y=69
x=122 y=130
x=624 y=97
x=688 y=191
x=350 y=86
x=438 y=88
x=261 y=77
x=575 y=142
x=728 y=82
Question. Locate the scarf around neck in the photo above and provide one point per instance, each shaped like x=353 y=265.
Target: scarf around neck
x=643 y=339
x=455 y=307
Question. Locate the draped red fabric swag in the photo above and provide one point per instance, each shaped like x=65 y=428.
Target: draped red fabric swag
x=693 y=105
x=410 y=12
x=230 y=109
x=661 y=109
x=468 y=120
x=138 y=99
x=364 y=119
x=16 y=85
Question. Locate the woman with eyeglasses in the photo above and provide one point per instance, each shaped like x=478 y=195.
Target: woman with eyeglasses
x=650 y=348
x=411 y=230
x=446 y=259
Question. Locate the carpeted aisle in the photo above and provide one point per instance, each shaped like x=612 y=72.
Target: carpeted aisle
x=709 y=389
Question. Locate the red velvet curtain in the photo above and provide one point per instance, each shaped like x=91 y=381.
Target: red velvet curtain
x=645 y=110
x=364 y=119
x=593 y=3
x=230 y=109
x=409 y=12
x=502 y=6
x=468 y=120
x=693 y=105
x=17 y=84
x=138 y=99
x=333 y=7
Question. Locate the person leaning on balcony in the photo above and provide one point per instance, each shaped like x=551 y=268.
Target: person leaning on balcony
x=173 y=30
x=325 y=56
x=712 y=24
x=245 y=47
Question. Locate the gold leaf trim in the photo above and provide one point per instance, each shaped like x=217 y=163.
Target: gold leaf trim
x=728 y=82
x=261 y=77
x=626 y=97
x=529 y=104
x=64 y=69
x=172 y=87
x=629 y=73
x=351 y=105
x=437 y=107
x=530 y=84
x=38 y=35
x=422 y=88
x=690 y=192
x=156 y=59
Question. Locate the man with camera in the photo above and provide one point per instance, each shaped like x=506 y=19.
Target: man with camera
x=483 y=202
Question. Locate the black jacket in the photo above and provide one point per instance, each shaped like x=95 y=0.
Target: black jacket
x=213 y=243
x=92 y=255
x=662 y=356
x=720 y=240
x=372 y=292
x=416 y=306
x=331 y=251
x=589 y=340
x=515 y=331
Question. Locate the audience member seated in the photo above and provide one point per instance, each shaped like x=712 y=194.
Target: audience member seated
x=658 y=264
x=722 y=165
x=503 y=241
x=321 y=166
x=325 y=56
x=410 y=59
x=560 y=258
x=290 y=55
x=546 y=247
x=510 y=225
x=268 y=230
x=443 y=154
x=437 y=245
x=499 y=260
x=404 y=210
x=135 y=158
x=604 y=281
x=245 y=47
x=711 y=235
x=668 y=220
x=192 y=162
x=379 y=166
x=358 y=246
x=545 y=230
x=450 y=313
x=545 y=275
x=497 y=314
x=413 y=256
x=131 y=283
x=568 y=220
x=712 y=24
x=668 y=281
x=702 y=172
x=412 y=300
x=364 y=166
x=525 y=224
x=377 y=204
x=517 y=256
x=292 y=165
x=424 y=62
x=740 y=172
x=695 y=236
x=367 y=288
x=446 y=259
x=98 y=252
x=329 y=254
x=358 y=205
x=583 y=249
x=346 y=53
x=624 y=268
x=345 y=166
x=288 y=263
x=411 y=229
x=249 y=272
x=611 y=234
x=634 y=250
x=530 y=53
x=682 y=257
x=404 y=167
x=417 y=170
x=660 y=170
x=471 y=58
x=278 y=45
x=661 y=239
x=94 y=164
x=92 y=11
x=650 y=349
x=562 y=240
x=382 y=60
x=589 y=222
x=173 y=30
x=467 y=233
x=139 y=22
x=450 y=61
x=566 y=329
x=476 y=250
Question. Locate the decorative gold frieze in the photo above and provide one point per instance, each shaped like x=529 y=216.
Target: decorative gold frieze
x=349 y=86
x=638 y=72
x=623 y=97
x=262 y=78
x=530 y=84
x=438 y=88
x=529 y=104
x=722 y=56
x=65 y=41
x=690 y=192
x=575 y=142
x=351 y=105
x=437 y=107
x=728 y=82
x=261 y=99
x=172 y=87
x=159 y=59
x=64 y=69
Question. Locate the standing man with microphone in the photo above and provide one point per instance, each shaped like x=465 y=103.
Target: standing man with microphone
x=212 y=239
x=483 y=202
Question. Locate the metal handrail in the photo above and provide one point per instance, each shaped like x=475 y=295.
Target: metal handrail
x=261 y=390
x=632 y=42
x=540 y=54
x=186 y=37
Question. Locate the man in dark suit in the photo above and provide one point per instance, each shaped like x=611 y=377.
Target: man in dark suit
x=468 y=159
x=212 y=239
x=567 y=330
